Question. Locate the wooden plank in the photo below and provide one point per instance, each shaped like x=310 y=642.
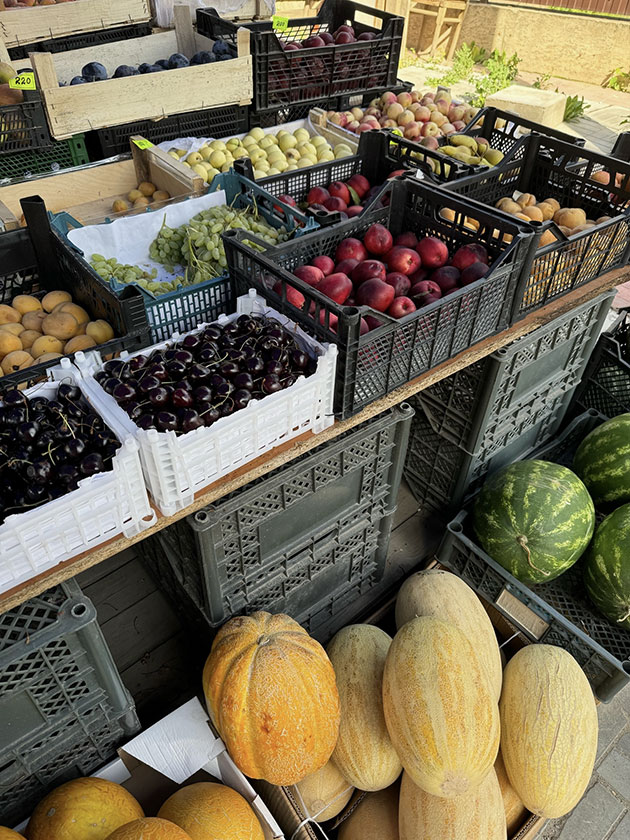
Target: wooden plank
x=120 y=590
x=29 y=25
x=8 y=219
x=184 y=29
x=134 y=632
x=294 y=449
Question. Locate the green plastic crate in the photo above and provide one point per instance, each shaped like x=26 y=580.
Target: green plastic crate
x=61 y=154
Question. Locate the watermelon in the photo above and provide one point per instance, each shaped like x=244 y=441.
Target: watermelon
x=534 y=518
x=607 y=570
x=602 y=461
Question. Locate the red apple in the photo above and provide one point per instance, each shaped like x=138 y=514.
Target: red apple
x=468 y=254
x=293 y=296
x=339 y=190
x=473 y=272
x=328 y=320
x=288 y=199
x=400 y=282
x=309 y=274
x=378 y=240
x=395 y=174
x=404 y=260
x=364 y=327
x=418 y=275
x=401 y=306
x=337 y=287
x=333 y=203
x=347 y=266
x=433 y=252
x=317 y=195
x=406 y=239
x=344 y=38
x=355 y=210
x=314 y=41
x=425 y=292
x=375 y=293
x=325 y=264
x=345 y=27
x=366 y=36
x=327 y=38
x=446 y=277
x=372 y=322
x=350 y=248
x=366 y=270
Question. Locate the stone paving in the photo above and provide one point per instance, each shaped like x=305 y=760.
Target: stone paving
x=604 y=811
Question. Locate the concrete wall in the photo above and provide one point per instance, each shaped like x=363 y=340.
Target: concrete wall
x=580 y=47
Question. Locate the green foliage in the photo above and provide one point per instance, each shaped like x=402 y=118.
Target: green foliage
x=502 y=71
x=480 y=54
x=574 y=108
x=463 y=63
x=542 y=81
x=619 y=79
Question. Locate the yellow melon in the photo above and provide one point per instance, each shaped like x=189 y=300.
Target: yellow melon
x=548 y=729
x=83 y=809
x=440 y=712
x=324 y=793
x=149 y=828
x=208 y=810
x=9 y=834
x=477 y=815
x=515 y=811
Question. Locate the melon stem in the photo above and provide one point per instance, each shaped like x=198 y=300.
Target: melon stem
x=624 y=617
x=522 y=541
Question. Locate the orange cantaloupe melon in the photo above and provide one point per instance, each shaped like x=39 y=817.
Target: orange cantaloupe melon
x=210 y=810
x=149 y=828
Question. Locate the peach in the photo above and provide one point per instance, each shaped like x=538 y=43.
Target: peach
x=394 y=110
x=405 y=118
x=438 y=118
x=405 y=99
x=423 y=114
x=412 y=131
x=430 y=129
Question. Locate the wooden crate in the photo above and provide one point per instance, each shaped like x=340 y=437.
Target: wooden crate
x=88 y=193
x=333 y=133
x=29 y=25
x=80 y=108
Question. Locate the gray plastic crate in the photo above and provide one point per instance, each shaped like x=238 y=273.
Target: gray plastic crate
x=63 y=707
x=606 y=383
x=559 y=612
x=498 y=409
x=305 y=540
x=518 y=385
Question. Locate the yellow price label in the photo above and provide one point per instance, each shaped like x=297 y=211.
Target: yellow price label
x=280 y=23
x=25 y=81
x=141 y=143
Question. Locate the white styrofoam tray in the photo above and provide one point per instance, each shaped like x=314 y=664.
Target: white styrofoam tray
x=103 y=506
x=176 y=467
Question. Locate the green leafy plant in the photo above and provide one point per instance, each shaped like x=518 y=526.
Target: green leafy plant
x=542 y=81
x=574 y=108
x=480 y=54
x=502 y=71
x=463 y=63
x=619 y=79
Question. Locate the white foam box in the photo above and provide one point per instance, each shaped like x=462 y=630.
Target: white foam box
x=178 y=466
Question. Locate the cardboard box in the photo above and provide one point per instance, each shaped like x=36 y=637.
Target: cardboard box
x=180 y=748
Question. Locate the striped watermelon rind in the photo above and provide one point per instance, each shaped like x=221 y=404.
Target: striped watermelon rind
x=607 y=569
x=534 y=518
x=602 y=461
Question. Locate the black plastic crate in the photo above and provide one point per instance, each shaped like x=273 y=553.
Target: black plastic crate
x=289 y=113
x=83 y=39
x=57 y=155
x=606 y=383
x=551 y=168
x=64 y=707
x=371 y=365
x=293 y=77
x=504 y=130
x=305 y=540
x=557 y=613
x=33 y=263
x=211 y=122
x=23 y=126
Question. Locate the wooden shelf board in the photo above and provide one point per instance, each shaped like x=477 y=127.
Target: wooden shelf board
x=298 y=446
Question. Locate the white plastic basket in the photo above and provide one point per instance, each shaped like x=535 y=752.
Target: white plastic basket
x=176 y=467
x=103 y=506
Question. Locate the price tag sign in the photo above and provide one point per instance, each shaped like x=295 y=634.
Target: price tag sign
x=280 y=23
x=141 y=143
x=25 y=81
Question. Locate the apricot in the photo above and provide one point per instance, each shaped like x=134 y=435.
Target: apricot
x=9 y=315
x=26 y=303
x=9 y=343
x=602 y=219
x=160 y=195
x=555 y=204
x=79 y=313
x=61 y=325
x=570 y=217
x=507 y=205
x=526 y=199
x=28 y=337
x=53 y=299
x=146 y=188
x=100 y=331
x=46 y=344
x=33 y=320
x=133 y=195
x=15 y=329
x=547 y=210
x=532 y=212
x=79 y=342
x=120 y=206
x=17 y=360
